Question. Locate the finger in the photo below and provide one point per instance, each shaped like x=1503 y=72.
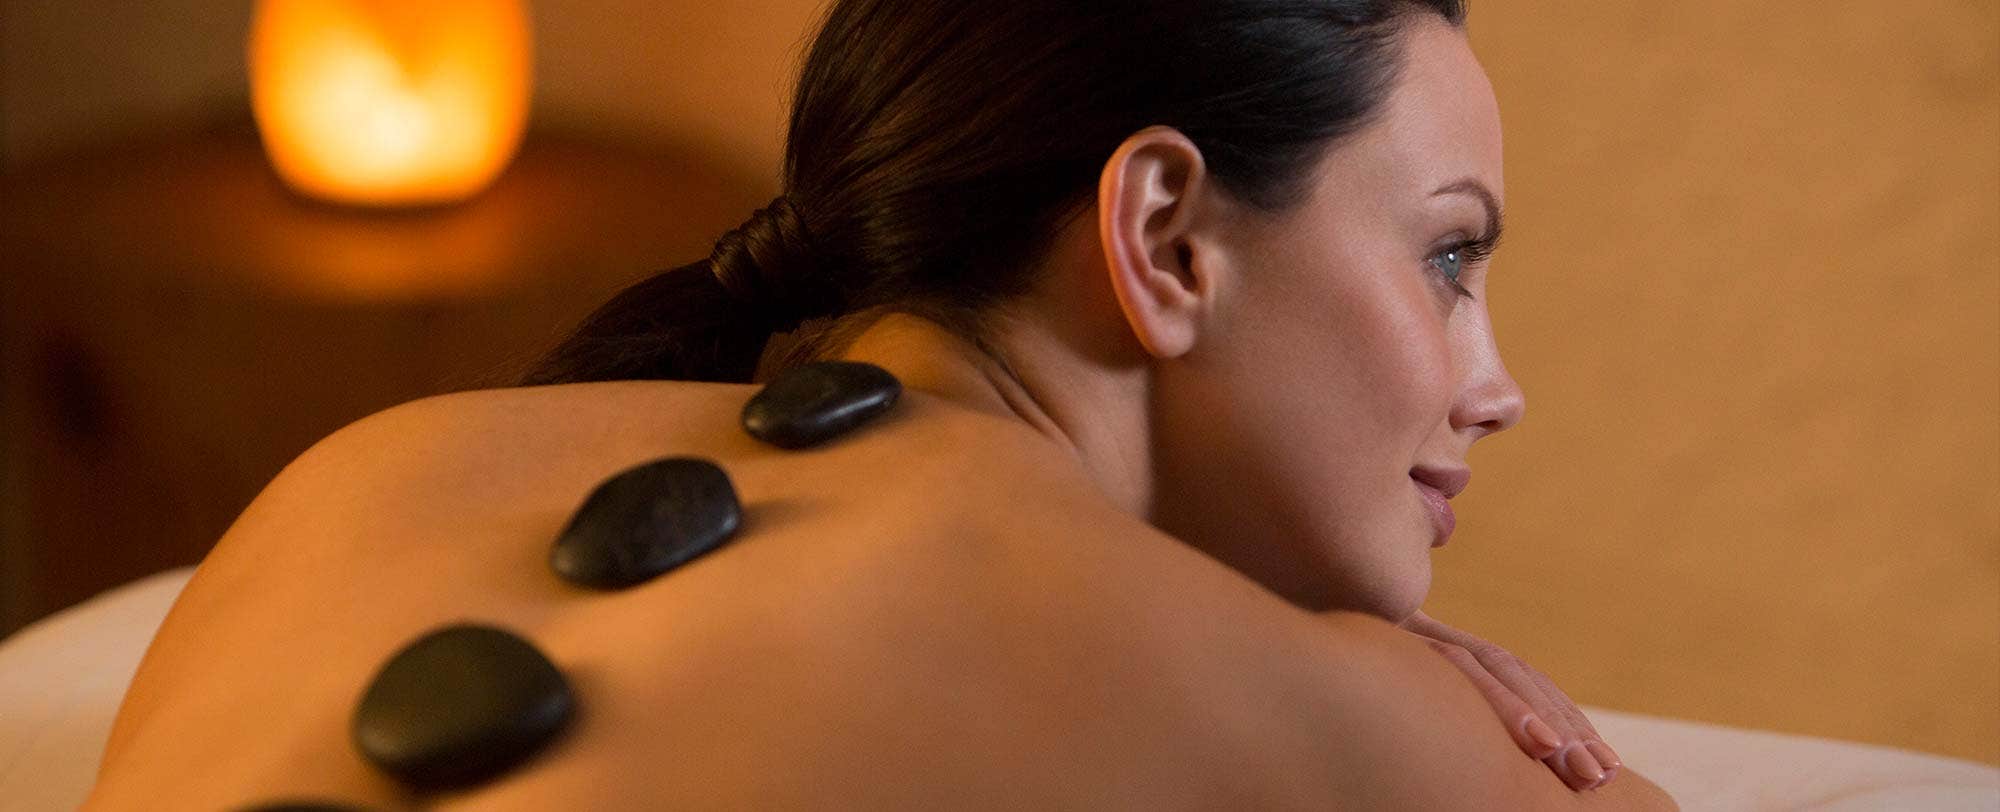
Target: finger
x=1575 y=720
x=1573 y=716
x=1530 y=733
x=1577 y=767
x=1511 y=671
x=1579 y=770
x=1546 y=701
x=1428 y=626
x=1606 y=757
x=1579 y=721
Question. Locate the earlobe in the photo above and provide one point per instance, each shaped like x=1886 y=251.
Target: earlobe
x=1147 y=199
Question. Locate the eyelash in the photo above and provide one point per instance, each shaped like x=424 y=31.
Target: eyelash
x=1472 y=252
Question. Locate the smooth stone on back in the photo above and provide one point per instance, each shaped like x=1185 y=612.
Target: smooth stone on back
x=460 y=705
x=817 y=402
x=301 y=806
x=645 y=521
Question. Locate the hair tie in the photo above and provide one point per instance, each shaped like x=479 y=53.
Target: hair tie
x=769 y=266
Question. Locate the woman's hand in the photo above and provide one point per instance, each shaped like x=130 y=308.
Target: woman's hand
x=1542 y=719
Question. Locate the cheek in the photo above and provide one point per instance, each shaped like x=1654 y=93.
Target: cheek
x=1338 y=379
x=1301 y=420
x=1382 y=357
x=1422 y=368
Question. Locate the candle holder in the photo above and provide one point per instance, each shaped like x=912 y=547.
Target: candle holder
x=390 y=103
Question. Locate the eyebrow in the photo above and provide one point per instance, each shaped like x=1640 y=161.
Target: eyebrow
x=1468 y=186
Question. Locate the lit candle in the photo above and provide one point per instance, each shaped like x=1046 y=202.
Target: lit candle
x=390 y=102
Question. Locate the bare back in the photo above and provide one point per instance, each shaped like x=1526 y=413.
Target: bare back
x=935 y=611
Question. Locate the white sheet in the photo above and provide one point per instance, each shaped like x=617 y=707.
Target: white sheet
x=61 y=680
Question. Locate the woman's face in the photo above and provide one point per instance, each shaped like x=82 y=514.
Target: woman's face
x=1339 y=358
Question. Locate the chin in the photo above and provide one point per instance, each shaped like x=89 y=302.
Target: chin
x=1403 y=587
x=1392 y=592
x=1381 y=565
x=1400 y=606
x=1416 y=590
x=1380 y=568
x=1403 y=611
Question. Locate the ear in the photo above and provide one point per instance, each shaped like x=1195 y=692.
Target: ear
x=1148 y=202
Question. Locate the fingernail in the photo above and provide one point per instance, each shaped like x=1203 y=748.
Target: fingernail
x=1543 y=734
x=1606 y=756
x=1584 y=765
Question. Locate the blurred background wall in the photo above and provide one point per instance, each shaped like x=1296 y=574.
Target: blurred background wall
x=1754 y=304
x=715 y=75
x=1750 y=289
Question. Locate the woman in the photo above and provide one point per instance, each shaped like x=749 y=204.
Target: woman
x=1185 y=301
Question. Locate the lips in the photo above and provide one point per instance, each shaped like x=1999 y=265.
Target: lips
x=1449 y=481
x=1442 y=517
x=1438 y=486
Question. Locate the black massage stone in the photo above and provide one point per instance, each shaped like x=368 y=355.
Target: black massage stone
x=817 y=402
x=647 y=520
x=460 y=705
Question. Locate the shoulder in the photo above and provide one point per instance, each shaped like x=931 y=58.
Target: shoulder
x=433 y=463
x=435 y=457
x=402 y=513
x=1425 y=738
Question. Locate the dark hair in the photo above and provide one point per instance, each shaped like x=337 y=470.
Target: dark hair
x=936 y=148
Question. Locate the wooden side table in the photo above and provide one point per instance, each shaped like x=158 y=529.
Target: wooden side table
x=175 y=325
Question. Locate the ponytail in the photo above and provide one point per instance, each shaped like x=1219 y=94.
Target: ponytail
x=707 y=320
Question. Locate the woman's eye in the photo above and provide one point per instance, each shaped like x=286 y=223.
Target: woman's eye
x=1451 y=262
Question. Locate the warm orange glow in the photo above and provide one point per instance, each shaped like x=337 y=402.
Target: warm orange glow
x=390 y=102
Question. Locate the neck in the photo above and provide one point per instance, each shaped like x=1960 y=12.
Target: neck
x=1094 y=418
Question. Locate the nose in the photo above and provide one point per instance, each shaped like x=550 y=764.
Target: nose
x=1492 y=400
